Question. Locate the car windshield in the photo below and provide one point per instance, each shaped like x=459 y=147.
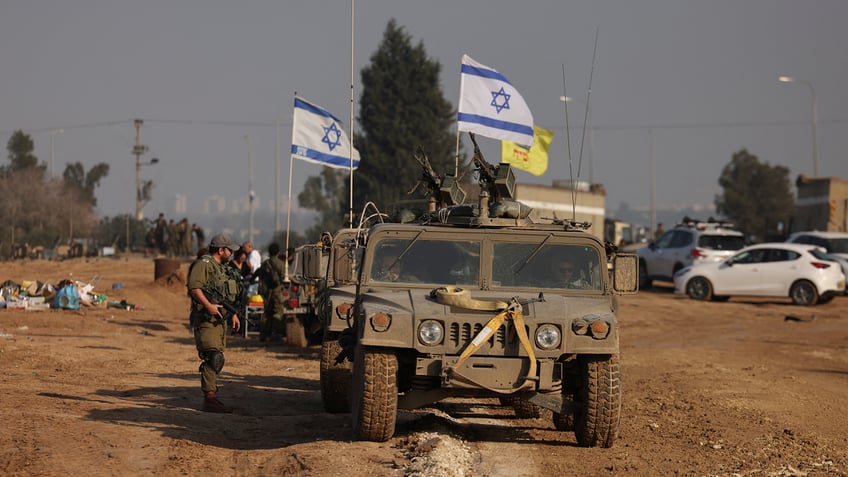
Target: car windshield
x=721 y=242
x=837 y=245
x=422 y=260
x=546 y=265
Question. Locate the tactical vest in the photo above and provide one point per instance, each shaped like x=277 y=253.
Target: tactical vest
x=222 y=281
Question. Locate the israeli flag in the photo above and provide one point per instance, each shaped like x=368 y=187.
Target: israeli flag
x=317 y=136
x=490 y=106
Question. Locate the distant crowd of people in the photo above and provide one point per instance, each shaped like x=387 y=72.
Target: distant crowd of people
x=175 y=239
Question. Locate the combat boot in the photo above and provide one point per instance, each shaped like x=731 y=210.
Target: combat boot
x=212 y=404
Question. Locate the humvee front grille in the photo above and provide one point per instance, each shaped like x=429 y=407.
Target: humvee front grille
x=460 y=334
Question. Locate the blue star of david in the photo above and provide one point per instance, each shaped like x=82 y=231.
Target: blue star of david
x=333 y=142
x=505 y=104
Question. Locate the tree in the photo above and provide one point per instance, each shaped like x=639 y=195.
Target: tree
x=86 y=182
x=325 y=193
x=757 y=197
x=402 y=107
x=20 y=147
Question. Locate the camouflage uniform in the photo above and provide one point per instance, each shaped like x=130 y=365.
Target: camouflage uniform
x=210 y=332
x=272 y=273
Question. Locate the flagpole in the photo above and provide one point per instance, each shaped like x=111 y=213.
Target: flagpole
x=350 y=139
x=276 y=176
x=288 y=206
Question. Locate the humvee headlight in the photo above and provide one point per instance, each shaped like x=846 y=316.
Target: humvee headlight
x=600 y=329
x=381 y=321
x=430 y=333
x=547 y=336
x=580 y=326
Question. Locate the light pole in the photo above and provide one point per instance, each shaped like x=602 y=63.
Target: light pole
x=790 y=79
x=569 y=99
x=142 y=195
x=53 y=132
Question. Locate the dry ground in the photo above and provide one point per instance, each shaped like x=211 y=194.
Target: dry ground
x=747 y=387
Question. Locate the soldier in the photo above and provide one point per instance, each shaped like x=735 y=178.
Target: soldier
x=159 y=233
x=210 y=336
x=271 y=274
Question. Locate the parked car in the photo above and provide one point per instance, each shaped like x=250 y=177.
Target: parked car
x=800 y=272
x=688 y=243
x=835 y=243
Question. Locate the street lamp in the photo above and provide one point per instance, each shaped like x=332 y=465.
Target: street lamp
x=569 y=99
x=790 y=79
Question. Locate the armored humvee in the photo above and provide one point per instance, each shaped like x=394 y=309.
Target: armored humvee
x=305 y=279
x=476 y=301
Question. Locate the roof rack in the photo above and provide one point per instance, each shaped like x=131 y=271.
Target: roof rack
x=709 y=224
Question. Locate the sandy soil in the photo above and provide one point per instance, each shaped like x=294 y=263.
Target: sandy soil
x=748 y=387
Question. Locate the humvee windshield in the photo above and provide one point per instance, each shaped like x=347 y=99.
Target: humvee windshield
x=515 y=265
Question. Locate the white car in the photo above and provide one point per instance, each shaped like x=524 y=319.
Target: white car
x=800 y=272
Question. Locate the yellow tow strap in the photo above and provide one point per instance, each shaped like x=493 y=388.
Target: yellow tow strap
x=459 y=297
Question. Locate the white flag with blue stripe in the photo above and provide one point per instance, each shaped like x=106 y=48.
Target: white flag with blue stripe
x=490 y=106
x=317 y=136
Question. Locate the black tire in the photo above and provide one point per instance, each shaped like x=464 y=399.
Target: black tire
x=525 y=409
x=335 y=378
x=374 y=394
x=597 y=412
x=296 y=332
x=564 y=421
x=804 y=293
x=699 y=288
x=644 y=280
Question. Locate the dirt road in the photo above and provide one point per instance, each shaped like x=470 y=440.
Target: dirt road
x=747 y=387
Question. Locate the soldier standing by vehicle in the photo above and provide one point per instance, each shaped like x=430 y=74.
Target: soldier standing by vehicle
x=210 y=336
x=271 y=274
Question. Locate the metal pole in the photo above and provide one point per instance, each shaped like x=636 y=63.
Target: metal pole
x=791 y=79
x=653 y=186
x=250 y=185
x=815 y=138
x=277 y=179
x=138 y=150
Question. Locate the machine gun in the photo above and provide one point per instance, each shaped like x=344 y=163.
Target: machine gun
x=443 y=189
x=498 y=181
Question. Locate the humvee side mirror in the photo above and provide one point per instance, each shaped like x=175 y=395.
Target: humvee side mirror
x=625 y=278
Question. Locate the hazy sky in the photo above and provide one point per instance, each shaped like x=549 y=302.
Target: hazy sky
x=203 y=75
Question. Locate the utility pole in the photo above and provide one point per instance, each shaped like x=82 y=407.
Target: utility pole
x=138 y=150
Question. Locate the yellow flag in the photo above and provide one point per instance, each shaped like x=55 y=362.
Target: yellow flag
x=533 y=160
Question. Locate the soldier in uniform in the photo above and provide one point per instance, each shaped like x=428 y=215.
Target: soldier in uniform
x=210 y=323
x=271 y=273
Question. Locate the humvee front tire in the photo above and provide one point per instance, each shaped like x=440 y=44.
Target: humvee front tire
x=335 y=378
x=374 y=394
x=598 y=401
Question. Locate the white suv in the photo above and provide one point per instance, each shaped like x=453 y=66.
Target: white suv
x=688 y=243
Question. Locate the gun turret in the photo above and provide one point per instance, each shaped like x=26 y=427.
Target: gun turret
x=443 y=189
x=498 y=181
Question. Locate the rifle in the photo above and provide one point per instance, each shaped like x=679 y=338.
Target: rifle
x=215 y=298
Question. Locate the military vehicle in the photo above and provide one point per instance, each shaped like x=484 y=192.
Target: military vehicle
x=302 y=324
x=334 y=302
x=475 y=300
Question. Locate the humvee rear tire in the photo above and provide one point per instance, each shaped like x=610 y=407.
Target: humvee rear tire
x=374 y=394
x=335 y=378
x=564 y=421
x=295 y=332
x=598 y=401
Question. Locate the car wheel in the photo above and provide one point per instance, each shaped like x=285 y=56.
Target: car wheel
x=699 y=288
x=804 y=293
x=598 y=401
x=644 y=280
